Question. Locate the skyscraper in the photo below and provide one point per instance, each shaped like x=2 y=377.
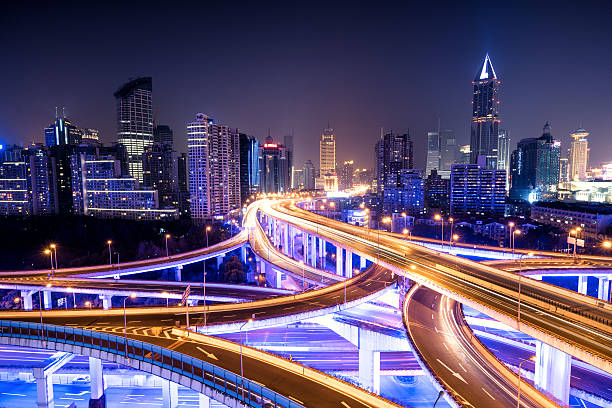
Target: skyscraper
x=503 y=154
x=328 y=178
x=61 y=133
x=477 y=191
x=433 y=152
x=449 y=152
x=183 y=185
x=135 y=121
x=249 y=166
x=579 y=155
x=393 y=153
x=485 y=115
x=345 y=179
x=535 y=167
x=309 y=174
x=273 y=167
x=163 y=134
x=214 y=168
x=160 y=172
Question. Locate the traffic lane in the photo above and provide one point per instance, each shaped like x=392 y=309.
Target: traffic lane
x=589 y=381
x=295 y=386
x=372 y=280
x=454 y=361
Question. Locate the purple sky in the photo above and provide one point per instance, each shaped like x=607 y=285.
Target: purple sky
x=284 y=67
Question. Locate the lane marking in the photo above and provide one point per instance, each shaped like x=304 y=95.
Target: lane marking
x=486 y=392
x=345 y=404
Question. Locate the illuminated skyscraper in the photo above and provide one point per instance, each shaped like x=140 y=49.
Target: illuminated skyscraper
x=61 y=132
x=309 y=175
x=433 y=152
x=393 y=154
x=503 y=154
x=135 y=121
x=328 y=178
x=579 y=155
x=273 y=164
x=485 y=115
x=249 y=167
x=214 y=168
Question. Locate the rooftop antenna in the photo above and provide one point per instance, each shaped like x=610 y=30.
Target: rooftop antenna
x=382 y=130
x=56 y=112
x=63 y=112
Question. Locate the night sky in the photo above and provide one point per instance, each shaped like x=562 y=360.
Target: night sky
x=295 y=67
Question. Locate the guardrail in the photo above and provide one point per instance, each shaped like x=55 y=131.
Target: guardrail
x=248 y=392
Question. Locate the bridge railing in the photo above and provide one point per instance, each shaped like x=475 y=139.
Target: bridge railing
x=250 y=393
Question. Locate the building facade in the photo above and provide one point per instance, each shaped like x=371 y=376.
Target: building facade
x=485 y=115
x=160 y=172
x=476 y=191
x=135 y=121
x=273 y=165
x=309 y=174
x=579 y=155
x=394 y=152
x=437 y=192
x=249 y=166
x=433 y=152
x=213 y=167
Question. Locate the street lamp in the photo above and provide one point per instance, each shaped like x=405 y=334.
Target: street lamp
x=110 y=252
x=54 y=249
x=518 y=397
x=167 y=236
x=438 y=217
x=520 y=275
x=241 y=365
x=132 y=296
x=48 y=252
x=17 y=300
x=208 y=228
x=575 y=233
x=455 y=237
x=516 y=232
x=440 y=394
x=607 y=244
x=88 y=304
x=450 y=239
x=511 y=225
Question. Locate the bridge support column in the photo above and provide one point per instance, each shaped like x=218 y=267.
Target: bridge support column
x=170 y=394
x=362 y=262
x=322 y=253
x=44 y=389
x=348 y=272
x=243 y=253
x=204 y=401
x=219 y=261
x=47 y=300
x=286 y=249
x=98 y=399
x=178 y=273
x=27 y=299
x=369 y=369
x=582 y=284
x=339 y=261
x=313 y=251
x=553 y=369
x=305 y=247
x=603 y=290
x=107 y=302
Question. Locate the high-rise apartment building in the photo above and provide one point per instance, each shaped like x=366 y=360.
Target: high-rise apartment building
x=449 y=152
x=309 y=174
x=135 y=121
x=41 y=180
x=535 y=167
x=327 y=152
x=394 y=152
x=183 y=185
x=214 y=168
x=485 y=115
x=437 y=192
x=404 y=191
x=433 y=152
x=160 y=172
x=249 y=166
x=476 y=191
x=14 y=195
x=579 y=155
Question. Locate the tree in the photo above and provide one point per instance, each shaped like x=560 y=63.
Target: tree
x=233 y=270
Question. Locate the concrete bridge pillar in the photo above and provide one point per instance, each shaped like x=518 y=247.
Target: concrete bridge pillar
x=243 y=253
x=362 y=262
x=170 y=394
x=603 y=290
x=107 y=302
x=582 y=284
x=305 y=247
x=47 y=300
x=44 y=388
x=286 y=249
x=27 y=299
x=339 y=261
x=322 y=250
x=553 y=369
x=369 y=369
x=178 y=273
x=313 y=251
x=348 y=268
x=219 y=261
x=98 y=399
x=204 y=401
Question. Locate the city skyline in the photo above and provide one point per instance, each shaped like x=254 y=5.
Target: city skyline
x=421 y=87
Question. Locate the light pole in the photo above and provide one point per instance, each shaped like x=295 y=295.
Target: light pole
x=204 y=289
x=511 y=225
x=575 y=233
x=88 y=304
x=516 y=232
x=332 y=205
x=455 y=238
x=54 y=249
x=17 y=300
x=132 y=296
x=48 y=252
x=110 y=252
x=518 y=397
x=450 y=238
x=167 y=236
x=438 y=217
x=440 y=394
x=518 y=309
x=241 y=365
x=208 y=228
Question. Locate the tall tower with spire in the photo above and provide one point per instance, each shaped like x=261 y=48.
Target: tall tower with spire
x=579 y=155
x=485 y=116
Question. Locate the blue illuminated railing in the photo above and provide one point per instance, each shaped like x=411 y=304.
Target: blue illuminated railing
x=228 y=383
